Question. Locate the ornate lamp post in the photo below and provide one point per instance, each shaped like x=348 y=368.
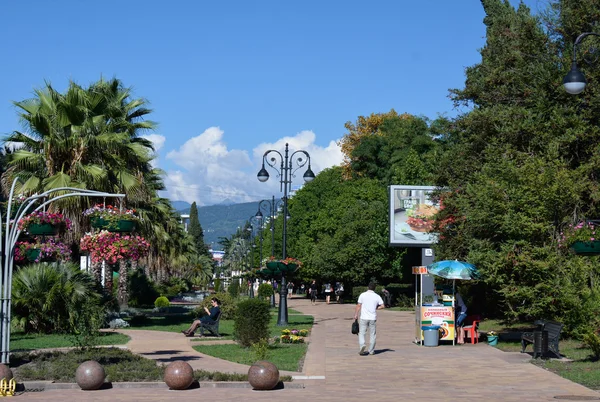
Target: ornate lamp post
x=285 y=173
x=39 y=202
x=575 y=82
x=251 y=254
x=269 y=206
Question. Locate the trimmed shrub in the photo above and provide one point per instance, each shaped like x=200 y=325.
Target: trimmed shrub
x=265 y=290
x=251 y=321
x=399 y=293
x=234 y=288
x=142 y=292
x=228 y=305
x=593 y=341
x=161 y=302
x=217 y=285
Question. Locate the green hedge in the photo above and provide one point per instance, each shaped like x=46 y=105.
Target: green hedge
x=400 y=292
x=251 y=321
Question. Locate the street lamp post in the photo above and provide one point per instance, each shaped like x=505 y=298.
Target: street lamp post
x=575 y=82
x=285 y=173
x=272 y=207
x=251 y=265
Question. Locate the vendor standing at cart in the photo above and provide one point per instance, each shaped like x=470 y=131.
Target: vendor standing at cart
x=460 y=312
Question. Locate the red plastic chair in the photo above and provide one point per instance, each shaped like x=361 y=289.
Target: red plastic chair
x=471 y=330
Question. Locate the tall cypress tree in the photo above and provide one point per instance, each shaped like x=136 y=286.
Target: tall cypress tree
x=195 y=230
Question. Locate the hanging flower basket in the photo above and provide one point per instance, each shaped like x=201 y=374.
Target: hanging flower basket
x=121 y=225
x=112 y=247
x=33 y=254
x=586 y=247
x=112 y=218
x=44 y=223
x=45 y=229
x=581 y=238
x=50 y=250
x=277 y=267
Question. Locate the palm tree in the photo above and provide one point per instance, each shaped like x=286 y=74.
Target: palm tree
x=85 y=138
x=46 y=297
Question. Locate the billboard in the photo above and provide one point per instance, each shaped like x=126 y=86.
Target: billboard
x=411 y=216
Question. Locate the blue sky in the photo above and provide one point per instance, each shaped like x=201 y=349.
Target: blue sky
x=228 y=80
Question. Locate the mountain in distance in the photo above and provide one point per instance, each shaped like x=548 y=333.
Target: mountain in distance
x=221 y=220
x=181 y=205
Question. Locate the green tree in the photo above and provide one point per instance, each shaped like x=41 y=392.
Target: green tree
x=195 y=230
x=339 y=230
x=519 y=165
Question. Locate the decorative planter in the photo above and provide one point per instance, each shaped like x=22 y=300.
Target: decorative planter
x=121 y=225
x=492 y=340
x=32 y=254
x=43 y=229
x=272 y=265
x=586 y=247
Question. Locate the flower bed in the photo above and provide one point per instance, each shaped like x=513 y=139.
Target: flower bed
x=292 y=336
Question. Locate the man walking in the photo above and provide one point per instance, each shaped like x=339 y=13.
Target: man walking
x=368 y=304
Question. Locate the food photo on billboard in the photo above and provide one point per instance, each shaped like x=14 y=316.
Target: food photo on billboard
x=412 y=214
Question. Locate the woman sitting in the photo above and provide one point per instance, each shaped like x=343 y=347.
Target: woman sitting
x=209 y=319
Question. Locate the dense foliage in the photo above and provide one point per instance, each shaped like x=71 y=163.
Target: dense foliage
x=252 y=318
x=51 y=298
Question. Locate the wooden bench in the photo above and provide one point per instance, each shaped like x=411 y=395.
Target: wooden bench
x=553 y=328
x=212 y=328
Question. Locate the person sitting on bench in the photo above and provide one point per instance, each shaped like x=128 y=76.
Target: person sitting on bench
x=209 y=319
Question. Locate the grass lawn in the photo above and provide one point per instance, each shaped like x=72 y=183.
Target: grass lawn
x=19 y=341
x=287 y=357
x=177 y=323
x=581 y=368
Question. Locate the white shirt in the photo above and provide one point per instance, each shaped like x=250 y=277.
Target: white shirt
x=369 y=302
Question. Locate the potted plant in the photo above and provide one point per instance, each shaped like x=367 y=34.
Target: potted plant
x=581 y=238
x=111 y=218
x=50 y=250
x=44 y=223
x=492 y=338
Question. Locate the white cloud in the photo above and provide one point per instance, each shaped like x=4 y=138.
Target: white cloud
x=157 y=140
x=210 y=173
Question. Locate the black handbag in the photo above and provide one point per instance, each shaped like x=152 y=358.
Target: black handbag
x=355 y=327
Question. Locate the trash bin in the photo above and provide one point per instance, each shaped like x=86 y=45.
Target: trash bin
x=431 y=335
x=540 y=343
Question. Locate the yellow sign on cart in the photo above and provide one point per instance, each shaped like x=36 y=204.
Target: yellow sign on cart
x=439 y=315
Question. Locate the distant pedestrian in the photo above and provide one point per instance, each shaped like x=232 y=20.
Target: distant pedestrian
x=290 y=288
x=339 y=292
x=328 y=291
x=368 y=304
x=313 y=293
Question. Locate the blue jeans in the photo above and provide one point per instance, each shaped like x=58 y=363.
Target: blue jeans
x=460 y=319
x=362 y=326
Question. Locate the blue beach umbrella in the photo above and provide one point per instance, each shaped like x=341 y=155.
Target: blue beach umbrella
x=453 y=269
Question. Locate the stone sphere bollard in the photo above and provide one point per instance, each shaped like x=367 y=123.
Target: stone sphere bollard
x=179 y=375
x=5 y=372
x=263 y=375
x=90 y=375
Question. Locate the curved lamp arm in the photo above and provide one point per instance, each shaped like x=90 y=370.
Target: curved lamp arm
x=575 y=82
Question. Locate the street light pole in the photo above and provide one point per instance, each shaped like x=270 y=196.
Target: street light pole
x=285 y=173
x=272 y=207
x=575 y=82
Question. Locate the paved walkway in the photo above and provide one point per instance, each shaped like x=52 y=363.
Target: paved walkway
x=400 y=370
